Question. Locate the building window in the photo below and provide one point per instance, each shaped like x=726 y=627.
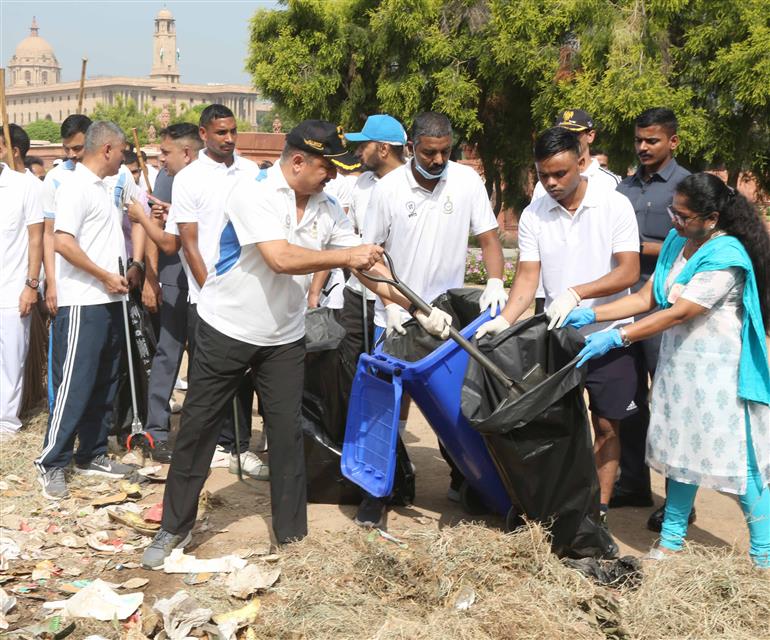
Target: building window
x=59 y=115
x=45 y=77
x=28 y=77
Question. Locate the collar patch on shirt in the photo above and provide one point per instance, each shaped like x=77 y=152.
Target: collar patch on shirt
x=411 y=208
x=314 y=230
x=448 y=206
x=287 y=221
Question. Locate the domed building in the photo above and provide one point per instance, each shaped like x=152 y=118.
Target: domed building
x=35 y=90
x=34 y=62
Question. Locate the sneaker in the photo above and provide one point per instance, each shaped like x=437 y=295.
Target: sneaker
x=251 y=465
x=370 y=512
x=102 y=465
x=221 y=458
x=161 y=547
x=655 y=521
x=174 y=406
x=53 y=483
x=180 y=384
x=656 y=554
x=161 y=452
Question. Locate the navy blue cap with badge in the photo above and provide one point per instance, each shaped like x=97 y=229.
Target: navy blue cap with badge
x=324 y=139
x=575 y=120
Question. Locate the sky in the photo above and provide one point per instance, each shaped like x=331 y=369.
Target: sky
x=116 y=35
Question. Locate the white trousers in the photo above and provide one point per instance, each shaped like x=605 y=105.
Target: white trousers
x=14 y=343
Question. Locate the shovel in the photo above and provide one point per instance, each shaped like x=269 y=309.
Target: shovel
x=137 y=428
x=514 y=388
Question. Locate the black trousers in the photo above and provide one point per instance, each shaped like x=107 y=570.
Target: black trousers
x=244 y=396
x=219 y=365
x=351 y=319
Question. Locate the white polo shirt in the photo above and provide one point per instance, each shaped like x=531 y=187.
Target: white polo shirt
x=199 y=194
x=20 y=207
x=86 y=208
x=52 y=181
x=594 y=171
x=243 y=297
x=426 y=233
x=359 y=203
x=579 y=248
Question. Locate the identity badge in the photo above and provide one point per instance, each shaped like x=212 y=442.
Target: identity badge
x=448 y=206
x=411 y=207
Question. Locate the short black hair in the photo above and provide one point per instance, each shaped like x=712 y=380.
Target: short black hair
x=130 y=157
x=660 y=116
x=30 y=160
x=596 y=151
x=76 y=123
x=214 y=112
x=19 y=139
x=555 y=140
x=180 y=131
x=431 y=124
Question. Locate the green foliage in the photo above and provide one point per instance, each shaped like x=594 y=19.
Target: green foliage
x=43 y=130
x=501 y=69
x=476 y=272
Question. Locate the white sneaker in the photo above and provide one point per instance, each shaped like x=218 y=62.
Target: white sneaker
x=221 y=458
x=180 y=384
x=251 y=465
x=174 y=406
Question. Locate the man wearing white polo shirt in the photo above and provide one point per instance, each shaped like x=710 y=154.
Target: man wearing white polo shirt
x=584 y=240
x=423 y=213
x=252 y=316
x=21 y=248
x=87 y=339
x=380 y=149
x=198 y=199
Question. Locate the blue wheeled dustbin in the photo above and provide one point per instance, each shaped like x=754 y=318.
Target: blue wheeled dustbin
x=434 y=381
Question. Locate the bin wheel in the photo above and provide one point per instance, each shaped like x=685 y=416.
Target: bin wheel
x=471 y=501
x=513 y=520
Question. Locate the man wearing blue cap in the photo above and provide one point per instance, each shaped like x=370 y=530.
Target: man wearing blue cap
x=380 y=150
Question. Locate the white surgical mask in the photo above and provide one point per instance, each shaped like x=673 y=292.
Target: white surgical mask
x=427 y=175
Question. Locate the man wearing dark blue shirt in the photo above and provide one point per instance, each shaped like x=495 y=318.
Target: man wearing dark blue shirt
x=650 y=190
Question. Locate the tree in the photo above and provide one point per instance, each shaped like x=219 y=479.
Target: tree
x=43 y=130
x=501 y=69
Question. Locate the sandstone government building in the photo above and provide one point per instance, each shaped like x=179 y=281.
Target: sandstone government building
x=35 y=91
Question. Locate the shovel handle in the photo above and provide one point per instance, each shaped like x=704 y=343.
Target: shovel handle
x=421 y=305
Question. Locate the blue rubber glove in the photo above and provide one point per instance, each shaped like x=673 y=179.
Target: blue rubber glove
x=580 y=317
x=597 y=344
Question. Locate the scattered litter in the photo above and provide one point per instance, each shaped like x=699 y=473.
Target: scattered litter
x=115 y=498
x=134 y=583
x=9 y=550
x=131 y=489
x=101 y=541
x=273 y=557
x=260 y=550
x=7 y=603
x=53 y=628
x=154 y=513
x=133 y=457
x=44 y=570
x=179 y=562
x=229 y=623
x=622 y=572
x=98 y=601
x=252 y=578
x=181 y=613
x=196 y=578
x=72 y=541
x=74 y=586
x=374 y=533
x=127 y=565
x=465 y=598
x=154 y=472
x=133 y=520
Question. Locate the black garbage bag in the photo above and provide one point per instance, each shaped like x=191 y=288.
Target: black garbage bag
x=539 y=437
x=621 y=572
x=416 y=343
x=325 y=400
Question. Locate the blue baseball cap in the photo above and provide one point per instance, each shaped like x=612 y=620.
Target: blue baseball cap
x=380 y=128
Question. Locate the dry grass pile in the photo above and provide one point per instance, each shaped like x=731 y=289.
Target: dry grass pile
x=343 y=585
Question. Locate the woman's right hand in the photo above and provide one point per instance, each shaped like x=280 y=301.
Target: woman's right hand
x=580 y=317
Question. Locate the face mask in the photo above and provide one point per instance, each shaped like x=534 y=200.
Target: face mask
x=425 y=174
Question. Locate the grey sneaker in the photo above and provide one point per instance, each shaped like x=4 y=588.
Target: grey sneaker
x=162 y=546
x=53 y=483
x=251 y=465
x=102 y=465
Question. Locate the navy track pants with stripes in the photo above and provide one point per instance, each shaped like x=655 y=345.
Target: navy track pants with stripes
x=86 y=345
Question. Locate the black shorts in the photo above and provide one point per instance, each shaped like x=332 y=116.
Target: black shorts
x=611 y=384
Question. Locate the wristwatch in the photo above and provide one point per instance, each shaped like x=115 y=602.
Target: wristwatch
x=625 y=340
x=32 y=283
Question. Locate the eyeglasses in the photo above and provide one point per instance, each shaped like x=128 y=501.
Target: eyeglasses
x=679 y=218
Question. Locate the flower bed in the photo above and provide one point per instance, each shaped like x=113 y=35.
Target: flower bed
x=476 y=273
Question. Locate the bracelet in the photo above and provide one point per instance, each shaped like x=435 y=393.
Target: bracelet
x=412 y=309
x=136 y=263
x=624 y=339
x=575 y=293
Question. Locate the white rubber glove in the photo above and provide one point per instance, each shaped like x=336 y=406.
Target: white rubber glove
x=559 y=309
x=436 y=324
x=393 y=320
x=494 y=297
x=492 y=327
